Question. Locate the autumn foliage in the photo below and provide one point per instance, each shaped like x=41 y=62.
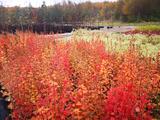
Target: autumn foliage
x=76 y=80
x=125 y=102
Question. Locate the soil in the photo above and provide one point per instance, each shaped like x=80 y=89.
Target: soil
x=4 y=110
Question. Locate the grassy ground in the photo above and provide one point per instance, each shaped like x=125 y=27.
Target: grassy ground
x=108 y=23
x=149 y=27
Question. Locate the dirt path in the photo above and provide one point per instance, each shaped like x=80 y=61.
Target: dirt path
x=118 y=29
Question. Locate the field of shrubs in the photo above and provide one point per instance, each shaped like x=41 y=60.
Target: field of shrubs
x=105 y=77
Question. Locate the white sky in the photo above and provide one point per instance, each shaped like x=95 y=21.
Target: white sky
x=37 y=3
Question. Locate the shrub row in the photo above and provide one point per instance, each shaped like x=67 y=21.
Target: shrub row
x=51 y=79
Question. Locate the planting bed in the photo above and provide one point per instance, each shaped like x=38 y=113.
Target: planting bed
x=79 y=79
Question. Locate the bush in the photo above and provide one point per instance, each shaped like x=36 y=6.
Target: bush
x=124 y=102
x=53 y=79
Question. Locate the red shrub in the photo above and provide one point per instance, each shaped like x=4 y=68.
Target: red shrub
x=124 y=102
x=70 y=80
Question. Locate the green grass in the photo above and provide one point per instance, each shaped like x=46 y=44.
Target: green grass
x=149 y=28
x=118 y=23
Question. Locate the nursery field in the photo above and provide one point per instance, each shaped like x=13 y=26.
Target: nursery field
x=91 y=75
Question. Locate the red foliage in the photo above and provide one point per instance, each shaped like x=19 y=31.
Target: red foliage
x=71 y=80
x=124 y=102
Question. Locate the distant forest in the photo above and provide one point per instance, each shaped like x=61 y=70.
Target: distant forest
x=122 y=10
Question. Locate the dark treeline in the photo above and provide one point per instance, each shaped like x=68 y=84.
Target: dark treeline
x=69 y=12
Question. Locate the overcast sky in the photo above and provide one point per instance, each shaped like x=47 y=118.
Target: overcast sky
x=37 y=3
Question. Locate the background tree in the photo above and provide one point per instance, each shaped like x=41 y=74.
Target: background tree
x=42 y=13
x=122 y=10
